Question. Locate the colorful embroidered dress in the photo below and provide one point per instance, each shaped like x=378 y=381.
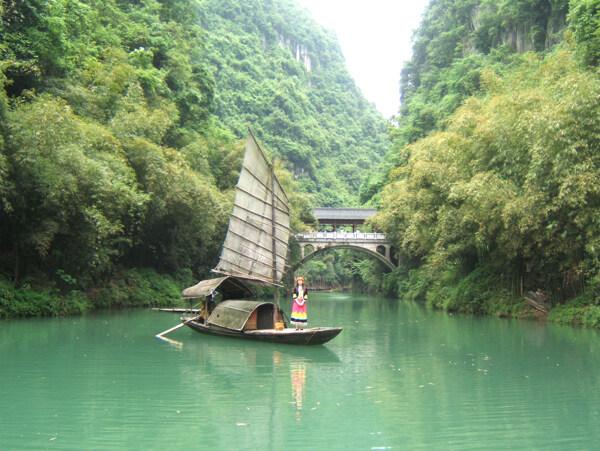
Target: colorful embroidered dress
x=299 y=307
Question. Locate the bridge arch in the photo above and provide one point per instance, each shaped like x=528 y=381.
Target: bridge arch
x=320 y=250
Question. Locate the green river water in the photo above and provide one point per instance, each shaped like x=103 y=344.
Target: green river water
x=397 y=377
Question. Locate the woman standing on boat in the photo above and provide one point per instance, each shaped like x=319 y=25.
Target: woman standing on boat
x=299 y=308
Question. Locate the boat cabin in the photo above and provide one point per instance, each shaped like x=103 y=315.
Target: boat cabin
x=235 y=311
x=242 y=315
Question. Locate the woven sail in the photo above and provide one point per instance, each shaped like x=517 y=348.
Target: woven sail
x=256 y=243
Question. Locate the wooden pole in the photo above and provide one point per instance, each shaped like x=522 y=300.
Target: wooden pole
x=274 y=231
x=521 y=285
x=176 y=327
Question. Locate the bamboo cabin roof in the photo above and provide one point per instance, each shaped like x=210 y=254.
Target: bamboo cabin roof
x=229 y=287
x=325 y=215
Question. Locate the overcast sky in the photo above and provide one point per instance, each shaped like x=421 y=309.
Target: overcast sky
x=375 y=36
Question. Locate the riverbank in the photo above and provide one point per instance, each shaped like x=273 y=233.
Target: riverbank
x=573 y=313
x=483 y=292
x=132 y=288
x=576 y=312
x=146 y=288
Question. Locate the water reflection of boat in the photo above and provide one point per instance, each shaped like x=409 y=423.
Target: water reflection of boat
x=298 y=375
x=254 y=253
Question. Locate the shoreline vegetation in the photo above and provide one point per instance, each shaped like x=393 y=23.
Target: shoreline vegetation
x=145 y=288
x=133 y=289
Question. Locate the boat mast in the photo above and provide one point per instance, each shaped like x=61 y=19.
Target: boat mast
x=274 y=231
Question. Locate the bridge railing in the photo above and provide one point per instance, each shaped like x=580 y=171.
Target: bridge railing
x=369 y=236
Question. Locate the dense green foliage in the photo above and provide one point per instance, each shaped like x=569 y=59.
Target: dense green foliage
x=105 y=165
x=493 y=181
x=131 y=288
x=120 y=135
x=584 y=21
x=344 y=269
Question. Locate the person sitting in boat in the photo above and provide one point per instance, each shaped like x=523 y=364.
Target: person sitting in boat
x=211 y=302
x=300 y=294
x=208 y=307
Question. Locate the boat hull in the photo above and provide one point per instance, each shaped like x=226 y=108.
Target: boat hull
x=312 y=336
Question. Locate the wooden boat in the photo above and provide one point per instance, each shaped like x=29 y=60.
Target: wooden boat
x=249 y=319
x=254 y=254
x=253 y=320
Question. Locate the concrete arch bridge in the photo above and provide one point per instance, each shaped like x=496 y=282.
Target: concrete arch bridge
x=372 y=243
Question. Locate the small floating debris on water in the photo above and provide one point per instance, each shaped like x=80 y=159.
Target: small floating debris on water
x=241 y=424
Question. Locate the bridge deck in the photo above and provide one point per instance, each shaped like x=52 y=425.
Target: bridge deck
x=341 y=236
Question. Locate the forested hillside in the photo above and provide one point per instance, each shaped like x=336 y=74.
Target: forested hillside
x=120 y=138
x=277 y=69
x=491 y=190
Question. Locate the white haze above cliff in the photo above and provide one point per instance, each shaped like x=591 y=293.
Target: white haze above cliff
x=375 y=36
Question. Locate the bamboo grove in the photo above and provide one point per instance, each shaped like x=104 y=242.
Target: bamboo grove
x=492 y=187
